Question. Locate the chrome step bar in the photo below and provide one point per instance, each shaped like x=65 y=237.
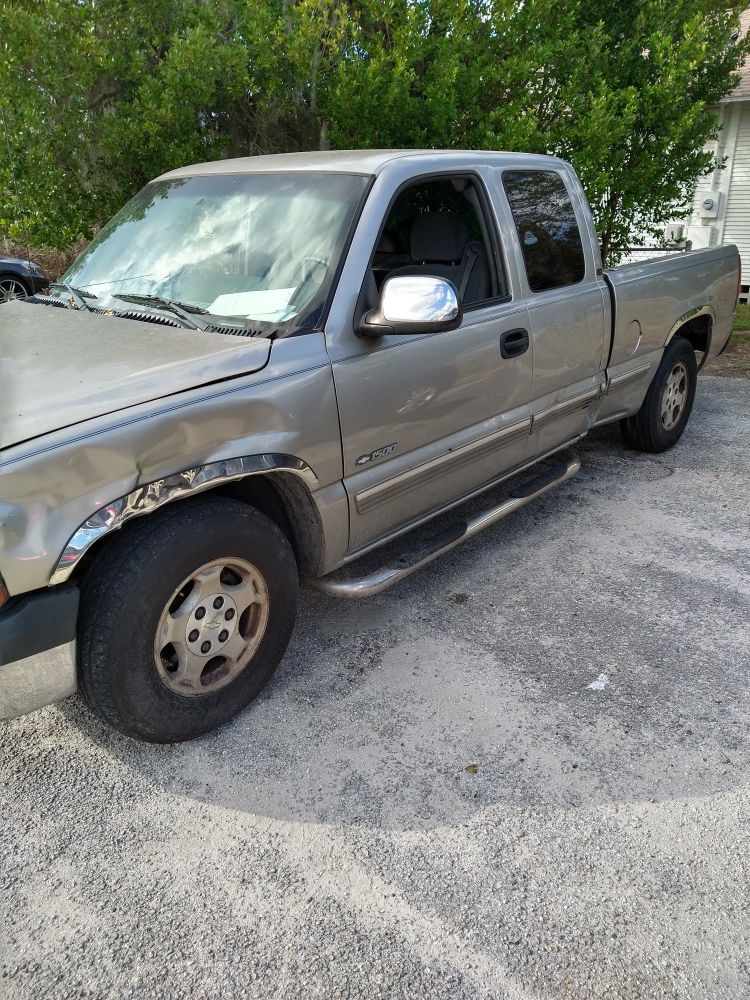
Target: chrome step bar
x=449 y=538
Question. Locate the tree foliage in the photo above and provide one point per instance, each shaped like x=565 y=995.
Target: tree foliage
x=98 y=96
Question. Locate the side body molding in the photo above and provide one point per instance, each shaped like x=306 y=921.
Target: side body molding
x=147 y=498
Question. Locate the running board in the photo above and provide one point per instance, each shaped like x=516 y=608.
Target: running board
x=448 y=538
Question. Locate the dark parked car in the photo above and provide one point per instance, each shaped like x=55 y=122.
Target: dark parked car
x=19 y=278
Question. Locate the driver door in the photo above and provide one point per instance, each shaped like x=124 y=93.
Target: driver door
x=428 y=419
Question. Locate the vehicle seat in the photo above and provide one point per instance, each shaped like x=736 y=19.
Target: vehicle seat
x=440 y=246
x=539 y=255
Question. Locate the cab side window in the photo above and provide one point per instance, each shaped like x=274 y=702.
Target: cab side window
x=438 y=227
x=547 y=228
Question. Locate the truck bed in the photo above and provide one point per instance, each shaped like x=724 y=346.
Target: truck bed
x=651 y=298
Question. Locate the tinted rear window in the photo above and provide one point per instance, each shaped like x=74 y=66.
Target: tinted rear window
x=547 y=228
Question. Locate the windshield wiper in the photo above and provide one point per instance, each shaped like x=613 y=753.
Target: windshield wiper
x=184 y=310
x=78 y=295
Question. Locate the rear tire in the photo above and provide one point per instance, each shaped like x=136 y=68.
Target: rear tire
x=662 y=418
x=184 y=618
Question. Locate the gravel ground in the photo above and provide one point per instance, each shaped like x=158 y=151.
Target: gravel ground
x=524 y=773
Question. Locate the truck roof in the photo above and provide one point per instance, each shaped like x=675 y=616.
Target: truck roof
x=353 y=161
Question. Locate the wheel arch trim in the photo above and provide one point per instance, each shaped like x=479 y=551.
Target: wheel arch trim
x=148 y=497
x=697 y=312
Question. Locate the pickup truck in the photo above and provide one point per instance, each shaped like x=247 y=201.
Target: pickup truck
x=262 y=369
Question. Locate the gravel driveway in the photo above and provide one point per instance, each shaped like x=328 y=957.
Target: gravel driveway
x=524 y=773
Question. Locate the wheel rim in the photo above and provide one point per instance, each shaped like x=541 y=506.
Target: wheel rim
x=211 y=627
x=674 y=396
x=11 y=289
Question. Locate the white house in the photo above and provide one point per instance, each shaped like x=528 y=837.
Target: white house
x=721 y=209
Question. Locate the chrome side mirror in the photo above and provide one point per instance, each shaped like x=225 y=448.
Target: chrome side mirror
x=413 y=303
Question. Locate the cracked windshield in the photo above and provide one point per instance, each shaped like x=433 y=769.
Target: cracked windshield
x=258 y=248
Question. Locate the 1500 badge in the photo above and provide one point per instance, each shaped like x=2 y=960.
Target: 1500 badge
x=373 y=456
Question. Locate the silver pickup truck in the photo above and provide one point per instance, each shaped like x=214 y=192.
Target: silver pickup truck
x=262 y=369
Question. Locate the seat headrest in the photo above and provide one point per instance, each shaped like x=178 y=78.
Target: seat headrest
x=387 y=244
x=439 y=236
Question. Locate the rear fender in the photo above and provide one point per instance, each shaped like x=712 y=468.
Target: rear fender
x=696 y=326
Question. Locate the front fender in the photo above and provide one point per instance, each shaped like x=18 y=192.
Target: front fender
x=149 y=497
x=53 y=485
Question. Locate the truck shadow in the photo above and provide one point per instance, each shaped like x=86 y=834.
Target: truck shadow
x=561 y=659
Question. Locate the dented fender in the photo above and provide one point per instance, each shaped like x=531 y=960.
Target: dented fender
x=53 y=484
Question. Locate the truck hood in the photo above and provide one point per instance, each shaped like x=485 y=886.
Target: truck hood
x=59 y=367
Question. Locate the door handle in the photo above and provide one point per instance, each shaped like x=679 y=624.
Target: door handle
x=514 y=343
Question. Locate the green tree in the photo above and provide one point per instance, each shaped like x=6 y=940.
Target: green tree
x=637 y=131
x=45 y=79
x=626 y=92
x=97 y=96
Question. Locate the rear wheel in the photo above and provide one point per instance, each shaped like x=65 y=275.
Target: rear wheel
x=184 y=619
x=666 y=409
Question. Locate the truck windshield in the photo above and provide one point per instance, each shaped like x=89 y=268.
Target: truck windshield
x=260 y=248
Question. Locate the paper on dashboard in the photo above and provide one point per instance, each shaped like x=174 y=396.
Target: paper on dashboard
x=269 y=304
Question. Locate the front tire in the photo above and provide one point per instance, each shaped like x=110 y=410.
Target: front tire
x=184 y=619
x=662 y=418
x=13 y=287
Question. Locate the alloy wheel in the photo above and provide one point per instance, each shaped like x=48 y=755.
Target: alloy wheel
x=674 y=396
x=211 y=627
x=11 y=288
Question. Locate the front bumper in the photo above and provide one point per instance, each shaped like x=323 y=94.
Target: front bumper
x=37 y=650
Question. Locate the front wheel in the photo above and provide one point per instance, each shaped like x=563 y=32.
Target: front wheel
x=666 y=409
x=12 y=287
x=184 y=619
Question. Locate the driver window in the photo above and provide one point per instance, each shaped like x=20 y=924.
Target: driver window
x=438 y=227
